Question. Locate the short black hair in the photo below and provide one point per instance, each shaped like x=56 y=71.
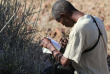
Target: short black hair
x=62 y=6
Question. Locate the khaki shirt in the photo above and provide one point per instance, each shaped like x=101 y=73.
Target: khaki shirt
x=83 y=35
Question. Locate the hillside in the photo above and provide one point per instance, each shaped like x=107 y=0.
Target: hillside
x=49 y=27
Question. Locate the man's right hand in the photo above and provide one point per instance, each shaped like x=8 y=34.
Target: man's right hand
x=63 y=42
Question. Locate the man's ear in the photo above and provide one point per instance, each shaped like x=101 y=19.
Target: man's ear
x=62 y=15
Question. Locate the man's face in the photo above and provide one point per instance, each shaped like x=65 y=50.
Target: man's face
x=66 y=21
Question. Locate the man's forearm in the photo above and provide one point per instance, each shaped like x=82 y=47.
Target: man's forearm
x=59 y=56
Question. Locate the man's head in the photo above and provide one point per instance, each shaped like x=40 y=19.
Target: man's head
x=62 y=11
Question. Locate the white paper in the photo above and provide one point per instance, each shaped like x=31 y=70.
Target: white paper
x=55 y=43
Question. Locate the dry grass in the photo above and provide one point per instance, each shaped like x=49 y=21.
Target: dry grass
x=99 y=8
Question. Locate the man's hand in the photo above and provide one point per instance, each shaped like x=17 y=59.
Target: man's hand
x=58 y=55
x=46 y=43
x=63 y=42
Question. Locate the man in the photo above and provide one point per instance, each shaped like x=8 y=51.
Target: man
x=85 y=34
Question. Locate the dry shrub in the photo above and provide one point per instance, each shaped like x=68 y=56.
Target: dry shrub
x=18 y=55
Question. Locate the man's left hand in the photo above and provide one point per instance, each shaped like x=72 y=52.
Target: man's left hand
x=46 y=43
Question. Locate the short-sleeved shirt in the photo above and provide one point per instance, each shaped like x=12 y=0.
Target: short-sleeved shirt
x=84 y=35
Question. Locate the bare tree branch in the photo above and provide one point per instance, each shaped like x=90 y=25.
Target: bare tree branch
x=7 y=23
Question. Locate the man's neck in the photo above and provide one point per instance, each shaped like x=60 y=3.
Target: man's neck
x=76 y=15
